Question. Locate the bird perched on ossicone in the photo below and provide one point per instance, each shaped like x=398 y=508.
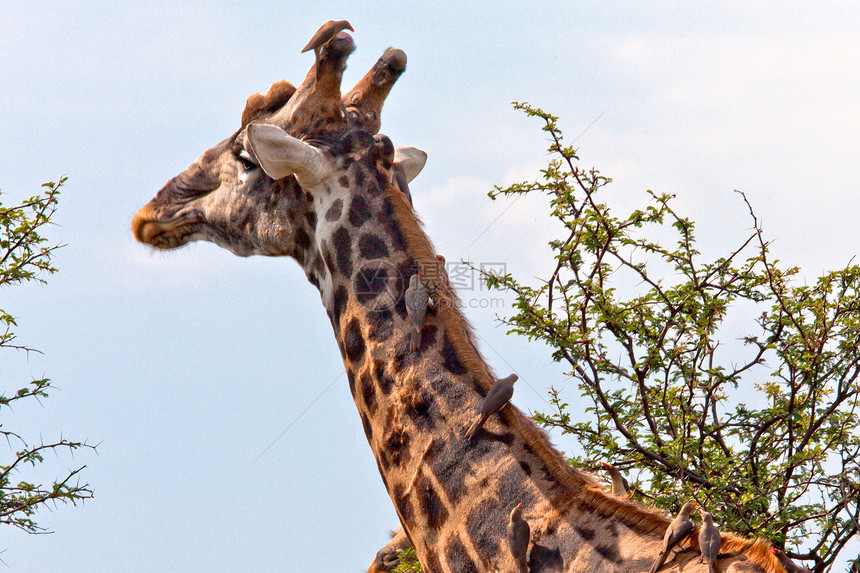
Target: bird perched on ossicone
x=323 y=36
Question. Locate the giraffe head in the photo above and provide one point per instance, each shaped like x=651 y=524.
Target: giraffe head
x=254 y=192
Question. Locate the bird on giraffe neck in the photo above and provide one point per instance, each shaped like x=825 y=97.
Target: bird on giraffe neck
x=680 y=528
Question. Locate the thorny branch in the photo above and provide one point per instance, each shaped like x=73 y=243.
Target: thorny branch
x=748 y=423
x=25 y=256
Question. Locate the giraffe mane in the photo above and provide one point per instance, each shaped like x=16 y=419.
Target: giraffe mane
x=582 y=487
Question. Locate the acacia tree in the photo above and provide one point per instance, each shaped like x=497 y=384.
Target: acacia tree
x=25 y=255
x=762 y=432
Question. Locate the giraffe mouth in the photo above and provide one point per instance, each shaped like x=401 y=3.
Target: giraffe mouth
x=151 y=228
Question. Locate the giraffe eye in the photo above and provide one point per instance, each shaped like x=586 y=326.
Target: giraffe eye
x=245 y=159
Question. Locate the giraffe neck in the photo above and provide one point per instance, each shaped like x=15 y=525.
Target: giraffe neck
x=452 y=496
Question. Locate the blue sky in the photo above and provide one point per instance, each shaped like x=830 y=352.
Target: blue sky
x=187 y=366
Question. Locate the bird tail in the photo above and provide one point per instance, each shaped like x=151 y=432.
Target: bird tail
x=523 y=566
x=712 y=565
x=473 y=429
x=415 y=344
x=659 y=562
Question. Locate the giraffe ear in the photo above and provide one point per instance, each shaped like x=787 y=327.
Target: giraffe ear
x=411 y=159
x=281 y=155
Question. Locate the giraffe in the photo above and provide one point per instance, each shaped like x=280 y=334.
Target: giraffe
x=300 y=179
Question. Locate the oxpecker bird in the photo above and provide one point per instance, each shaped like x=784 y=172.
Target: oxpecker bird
x=709 y=541
x=680 y=528
x=403 y=164
x=787 y=563
x=620 y=487
x=324 y=35
x=407 y=164
x=384 y=149
x=417 y=297
x=519 y=535
x=500 y=394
